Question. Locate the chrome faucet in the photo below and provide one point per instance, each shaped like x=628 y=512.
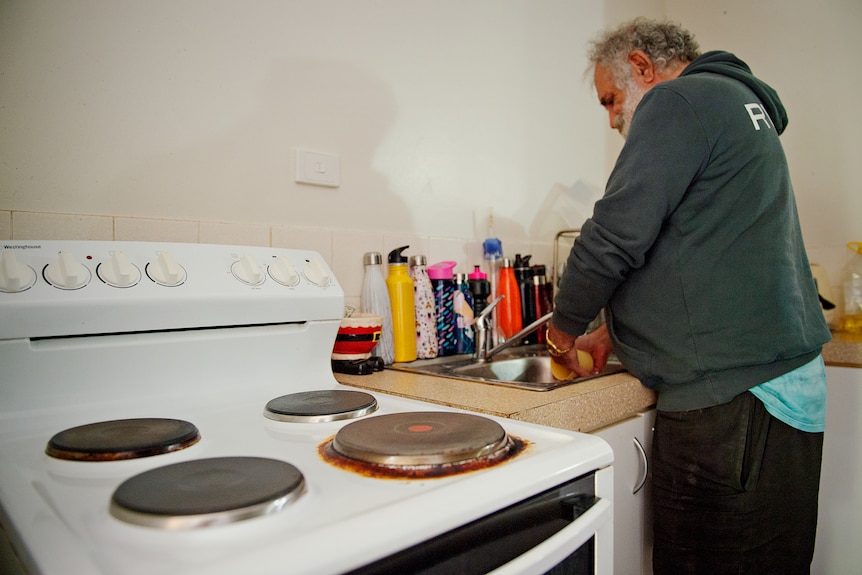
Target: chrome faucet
x=482 y=326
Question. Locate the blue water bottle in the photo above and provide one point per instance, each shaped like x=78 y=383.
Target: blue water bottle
x=443 y=282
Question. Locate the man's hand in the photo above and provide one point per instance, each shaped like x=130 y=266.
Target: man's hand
x=596 y=343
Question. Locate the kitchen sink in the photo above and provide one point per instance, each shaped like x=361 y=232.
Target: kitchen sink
x=524 y=367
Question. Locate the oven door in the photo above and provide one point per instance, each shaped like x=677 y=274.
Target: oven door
x=566 y=530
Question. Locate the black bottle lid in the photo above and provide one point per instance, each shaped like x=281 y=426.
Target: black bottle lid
x=480 y=287
x=396 y=257
x=523 y=271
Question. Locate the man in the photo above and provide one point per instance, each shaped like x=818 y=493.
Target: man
x=696 y=253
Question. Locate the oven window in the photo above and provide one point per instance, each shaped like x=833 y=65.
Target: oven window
x=581 y=562
x=492 y=541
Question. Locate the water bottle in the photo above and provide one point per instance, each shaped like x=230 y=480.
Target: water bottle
x=375 y=299
x=493 y=255
x=480 y=288
x=463 y=307
x=542 y=297
x=426 y=315
x=492 y=248
x=508 y=316
x=400 y=288
x=524 y=277
x=443 y=283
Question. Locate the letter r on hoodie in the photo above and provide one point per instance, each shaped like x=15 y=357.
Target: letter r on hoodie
x=756 y=113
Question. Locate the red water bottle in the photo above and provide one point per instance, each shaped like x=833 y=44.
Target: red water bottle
x=509 y=321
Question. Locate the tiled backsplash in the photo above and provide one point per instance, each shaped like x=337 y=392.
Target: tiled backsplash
x=342 y=249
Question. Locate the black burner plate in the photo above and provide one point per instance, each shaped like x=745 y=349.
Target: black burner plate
x=122 y=439
x=205 y=492
x=320 y=406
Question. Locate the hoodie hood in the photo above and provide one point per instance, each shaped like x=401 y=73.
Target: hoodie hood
x=726 y=64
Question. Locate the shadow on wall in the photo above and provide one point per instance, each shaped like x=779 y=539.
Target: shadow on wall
x=244 y=171
x=564 y=208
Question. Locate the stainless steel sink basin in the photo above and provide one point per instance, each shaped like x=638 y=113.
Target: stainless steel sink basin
x=524 y=367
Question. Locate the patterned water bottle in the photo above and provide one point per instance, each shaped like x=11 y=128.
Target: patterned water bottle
x=443 y=283
x=426 y=314
x=463 y=307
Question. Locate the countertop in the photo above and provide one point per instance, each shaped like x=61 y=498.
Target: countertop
x=585 y=406
x=845 y=350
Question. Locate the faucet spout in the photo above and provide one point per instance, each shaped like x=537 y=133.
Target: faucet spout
x=482 y=327
x=484 y=354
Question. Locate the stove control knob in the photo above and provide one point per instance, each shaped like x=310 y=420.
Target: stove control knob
x=119 y=271
x=316 y=273
x=248 y=271
x=67 y=273
x=14 y=276
x=164 y=270
x=283 y=272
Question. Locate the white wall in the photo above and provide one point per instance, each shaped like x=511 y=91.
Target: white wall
x=190 y=112
x=178 y=120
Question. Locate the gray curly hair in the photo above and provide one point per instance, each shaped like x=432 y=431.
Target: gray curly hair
x=666 y=43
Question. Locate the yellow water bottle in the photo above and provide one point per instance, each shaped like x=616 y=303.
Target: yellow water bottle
x=400 y=287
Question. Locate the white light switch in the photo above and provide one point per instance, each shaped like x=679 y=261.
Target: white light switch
x=318 y=169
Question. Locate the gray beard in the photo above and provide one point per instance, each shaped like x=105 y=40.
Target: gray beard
x=633 y=96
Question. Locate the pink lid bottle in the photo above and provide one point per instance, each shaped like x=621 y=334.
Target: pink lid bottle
x=480 y=287
x=443 y=283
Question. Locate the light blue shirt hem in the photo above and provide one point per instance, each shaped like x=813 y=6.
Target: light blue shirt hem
x=798 y=398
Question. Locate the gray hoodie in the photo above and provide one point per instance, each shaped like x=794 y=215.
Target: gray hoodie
x=695 y=248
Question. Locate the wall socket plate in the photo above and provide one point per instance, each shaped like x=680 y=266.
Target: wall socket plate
x=318 y=169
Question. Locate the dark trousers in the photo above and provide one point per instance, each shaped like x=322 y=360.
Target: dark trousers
x=734 y=492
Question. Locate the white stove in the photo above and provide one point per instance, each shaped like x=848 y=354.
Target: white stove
x=100 y=331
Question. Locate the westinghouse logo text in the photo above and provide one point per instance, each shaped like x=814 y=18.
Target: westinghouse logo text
x=22 y=247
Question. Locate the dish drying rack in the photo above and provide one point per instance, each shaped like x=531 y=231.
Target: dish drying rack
x=567 y=238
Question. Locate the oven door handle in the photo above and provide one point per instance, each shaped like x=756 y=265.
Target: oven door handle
x=597 y=521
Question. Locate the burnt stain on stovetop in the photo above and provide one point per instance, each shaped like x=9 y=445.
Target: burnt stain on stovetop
x=514 y=447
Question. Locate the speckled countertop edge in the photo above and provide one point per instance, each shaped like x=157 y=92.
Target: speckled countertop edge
x=845 y=350
x=585 y=406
